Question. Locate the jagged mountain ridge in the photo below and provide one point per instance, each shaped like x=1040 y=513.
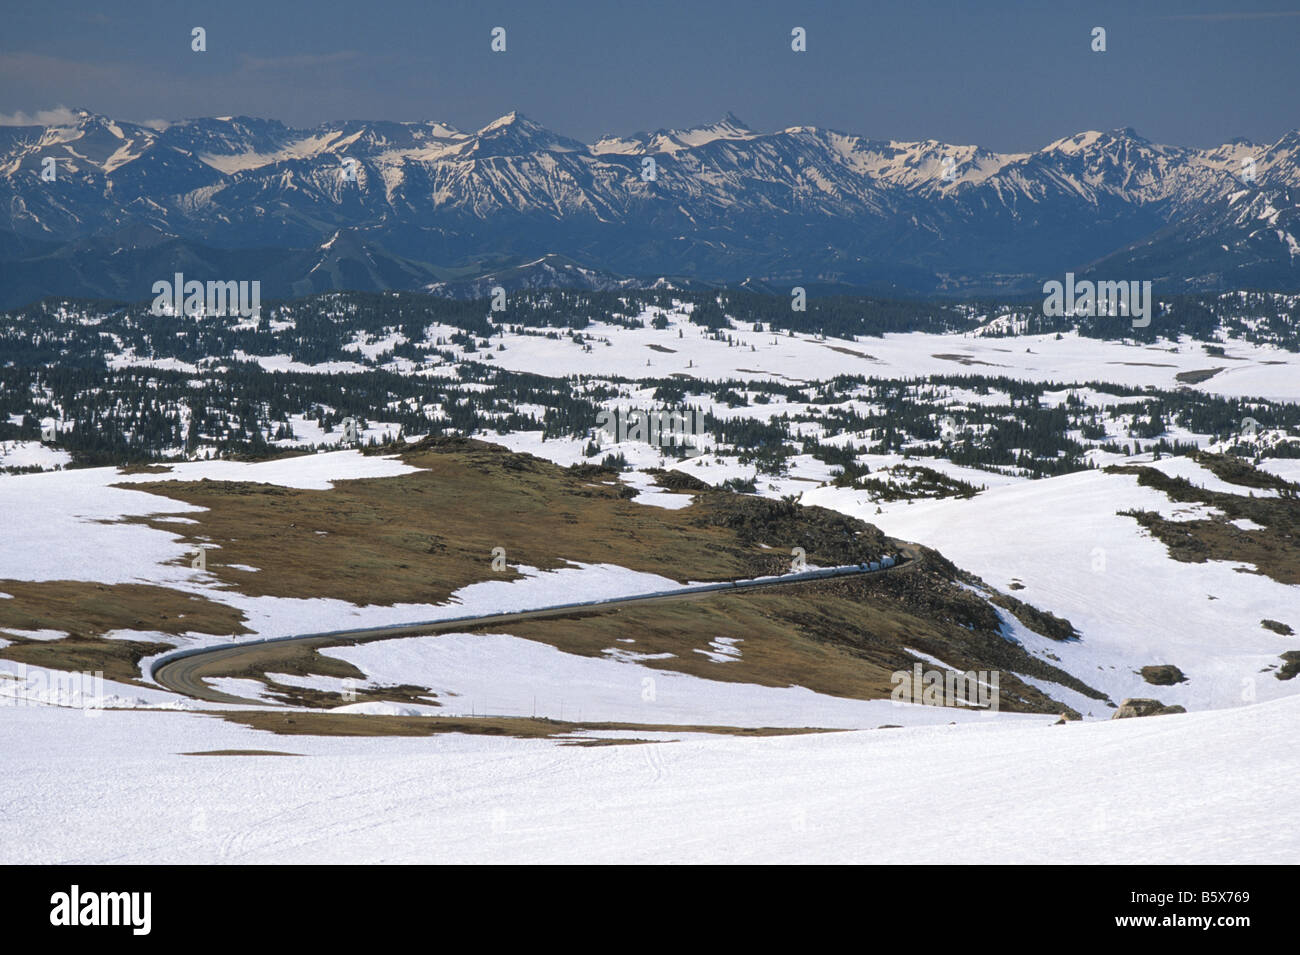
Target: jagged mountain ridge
x=727 y=204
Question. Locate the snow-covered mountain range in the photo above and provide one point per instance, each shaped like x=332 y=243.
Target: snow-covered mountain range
x=95 y=206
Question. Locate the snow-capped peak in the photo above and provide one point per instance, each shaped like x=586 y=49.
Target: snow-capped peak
x=675 y=140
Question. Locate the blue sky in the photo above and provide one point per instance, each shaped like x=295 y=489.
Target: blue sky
x=1009 y=76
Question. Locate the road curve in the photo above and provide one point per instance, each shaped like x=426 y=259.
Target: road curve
x=183 y=671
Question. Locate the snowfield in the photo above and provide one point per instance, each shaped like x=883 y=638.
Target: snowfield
x=948 y=785
x=1064 y=542
x=58 y=525
x=32 y=454
x=1244 y=369
x=1210 y=787
x=503 y=675
x=1248 y=370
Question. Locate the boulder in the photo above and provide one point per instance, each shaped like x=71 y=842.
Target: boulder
x=1164 y=674
x=1138 y=706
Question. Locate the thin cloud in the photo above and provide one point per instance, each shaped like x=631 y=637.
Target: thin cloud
x=58 y=116
x=1234 y=15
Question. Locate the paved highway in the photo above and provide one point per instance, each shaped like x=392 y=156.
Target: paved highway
x=186 y=671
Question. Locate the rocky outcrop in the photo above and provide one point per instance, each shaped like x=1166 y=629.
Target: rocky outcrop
x=1138 y=706
x=1291 y=665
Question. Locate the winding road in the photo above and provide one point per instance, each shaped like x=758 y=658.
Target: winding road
x=186 y=671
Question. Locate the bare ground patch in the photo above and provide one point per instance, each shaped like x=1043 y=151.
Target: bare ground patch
x=240 y=752
x=87 y=611
x=354 y=724
x=418 y=538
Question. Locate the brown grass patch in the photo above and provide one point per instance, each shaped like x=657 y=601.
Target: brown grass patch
x=849 y=351
x=419 y=537
x=326 y=699
x=843 y=638
x=86 y=611
x=1197 y=376
x=240 y=752
x=966 y=360
x=355 y=724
